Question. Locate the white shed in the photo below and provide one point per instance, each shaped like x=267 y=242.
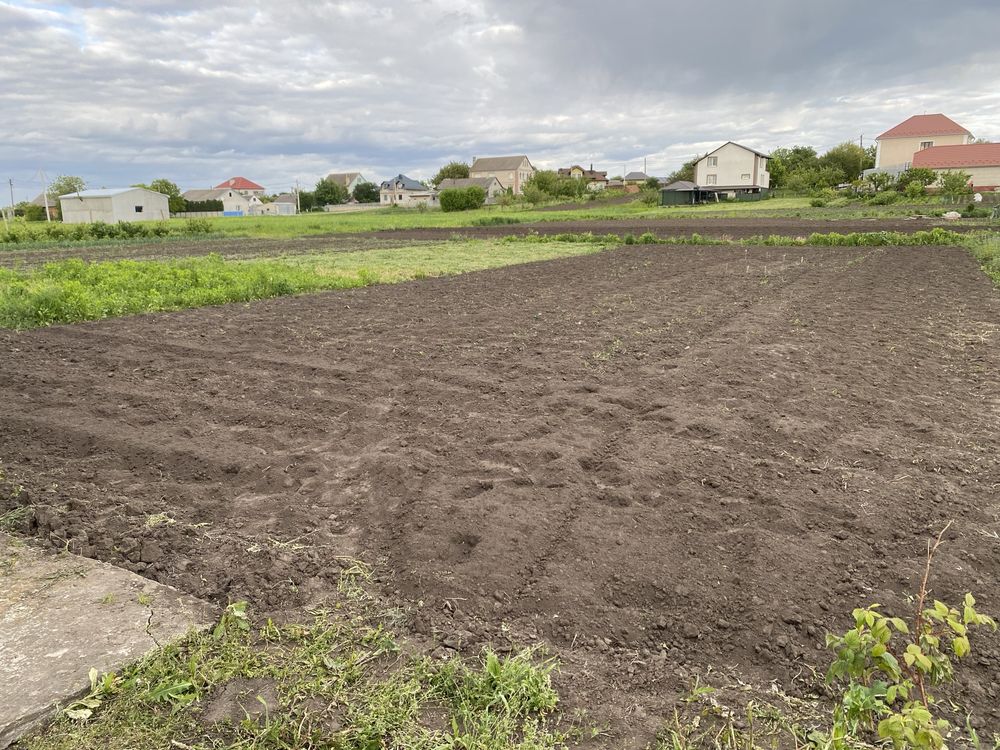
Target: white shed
x=114 y=205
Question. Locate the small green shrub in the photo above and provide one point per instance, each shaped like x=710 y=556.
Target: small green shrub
x=462 y=199
x=885 y=198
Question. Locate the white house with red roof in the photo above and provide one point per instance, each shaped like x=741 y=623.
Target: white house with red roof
x=981 y=161
x=896 y=147
x=243 y=186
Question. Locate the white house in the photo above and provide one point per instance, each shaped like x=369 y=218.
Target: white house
x=407 y=193
x=512 y=171
x=348 y=180
x=233 y=201
x=733 y=168
x=490 y=185
x=112 y=206
x=283 y=205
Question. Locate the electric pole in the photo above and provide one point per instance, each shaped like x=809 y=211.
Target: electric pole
x=11 y=183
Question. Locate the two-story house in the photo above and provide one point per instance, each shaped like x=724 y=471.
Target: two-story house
x=895 y=147
x=407 y=193
x=246 y=188
x=512 y=171
x=733 y=168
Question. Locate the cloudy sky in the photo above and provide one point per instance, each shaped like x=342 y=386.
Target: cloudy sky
x=121 y=92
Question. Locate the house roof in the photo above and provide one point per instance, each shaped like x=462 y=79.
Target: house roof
x=956 y=157
x=498 y=163
x=239 y=183
x=284 y=198
x=105 y=193
x=740 y=145
x=683 y=185
x=463 y=182
x=637 y=176
x=405 y=182
x=343 y=178
x=918 y=125
x=588 y=174
x=40 y=201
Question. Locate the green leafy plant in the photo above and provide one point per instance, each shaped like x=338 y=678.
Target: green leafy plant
x=889 y=665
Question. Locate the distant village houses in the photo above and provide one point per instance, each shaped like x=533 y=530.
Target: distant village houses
x=490 y=185
x=593 y=179
x=242 y=185
x=347 y=180
x=406 y=193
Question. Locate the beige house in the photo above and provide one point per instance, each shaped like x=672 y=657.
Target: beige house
x=282 y=205
x=348 y=180
x=112 y=206
x=233 y=201
x=407 y=193
x=511 y=171
x=248 y=188
x=491 y=185
x=733 y=168
x=896 y=147
x=981 y=161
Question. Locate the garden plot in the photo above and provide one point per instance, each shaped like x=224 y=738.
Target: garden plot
x=653 y=459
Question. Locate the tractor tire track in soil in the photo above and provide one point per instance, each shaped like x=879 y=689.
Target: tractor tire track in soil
x=654 y=459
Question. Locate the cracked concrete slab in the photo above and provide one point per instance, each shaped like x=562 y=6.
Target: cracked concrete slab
x=61 y=615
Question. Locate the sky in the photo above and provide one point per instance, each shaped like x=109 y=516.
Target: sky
x=285 y=92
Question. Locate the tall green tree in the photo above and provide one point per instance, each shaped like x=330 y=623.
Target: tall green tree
x=366 y=192
x=66 y=184
x=847 y=158
x=455 y=170
x=329 y=192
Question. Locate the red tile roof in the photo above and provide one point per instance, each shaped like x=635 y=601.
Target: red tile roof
x=239 y=183
x=956 y=157
x=919 y=125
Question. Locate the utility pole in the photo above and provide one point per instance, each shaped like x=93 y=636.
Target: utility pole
x=45 y=198
x=298 y=202
x=11 y=183
x=861 y=142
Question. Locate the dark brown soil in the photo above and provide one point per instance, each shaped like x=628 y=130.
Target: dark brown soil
x=654 y=459
x=737 y=228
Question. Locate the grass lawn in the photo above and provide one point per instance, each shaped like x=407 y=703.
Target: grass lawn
x=71 y=290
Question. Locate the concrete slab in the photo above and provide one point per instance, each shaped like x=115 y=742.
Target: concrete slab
x=61 y=615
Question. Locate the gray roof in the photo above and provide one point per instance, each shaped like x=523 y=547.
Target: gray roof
x=637 y=176
x=464 y=182
x=40 y=201
x=405 y=183
x=498 y=163
x=105 y=193
x=681 y=185
x=284 y=198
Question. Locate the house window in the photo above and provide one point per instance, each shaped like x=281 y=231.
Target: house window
x=711 y=179
x=713 y=161
x=745 y=177
x=138 y=209
x=926 y=144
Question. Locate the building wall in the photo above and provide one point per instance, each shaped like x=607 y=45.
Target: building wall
x=408 y=198
x=982 y=178
x=736 y=167
x=112 y=209
x=898 y=152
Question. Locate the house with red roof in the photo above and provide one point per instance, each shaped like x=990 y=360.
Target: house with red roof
x=981 y=161
x=896 y=147
x=243 y=186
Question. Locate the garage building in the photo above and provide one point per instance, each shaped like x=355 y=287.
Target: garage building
x=114 y=205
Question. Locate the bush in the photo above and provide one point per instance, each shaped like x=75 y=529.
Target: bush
x=492 y=221
x=462 y=199
x=885 y=198
x=914 y=189
x=817 y=202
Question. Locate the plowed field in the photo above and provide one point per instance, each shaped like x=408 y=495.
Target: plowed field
x=654 y=459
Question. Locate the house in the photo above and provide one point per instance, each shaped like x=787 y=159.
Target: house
x=285 y=204
x=490 y=185
x=896 y=147
x=112 y=206
x=980 y=160
x=680 y=193
x=47 y=202
x=348 y=180
x=234 y=203
x=407 y=193
x=636 y=178
x=732 y=168
x=595 y=180
x=242 y=185
x=511 y=171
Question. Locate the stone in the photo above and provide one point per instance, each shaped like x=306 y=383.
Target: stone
x=62 y=615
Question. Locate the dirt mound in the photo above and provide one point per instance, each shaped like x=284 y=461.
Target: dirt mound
x=655 y=459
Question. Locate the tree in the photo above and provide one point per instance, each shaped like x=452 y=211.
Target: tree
x=653 y=183
x=162 y=185
x=366 y=192
x=66 y=184
x=955 y=183
x=847 y=159
x=307 y=200
x=329 y=192
x=916 y=174
x=462 y=199
x=455 y=170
